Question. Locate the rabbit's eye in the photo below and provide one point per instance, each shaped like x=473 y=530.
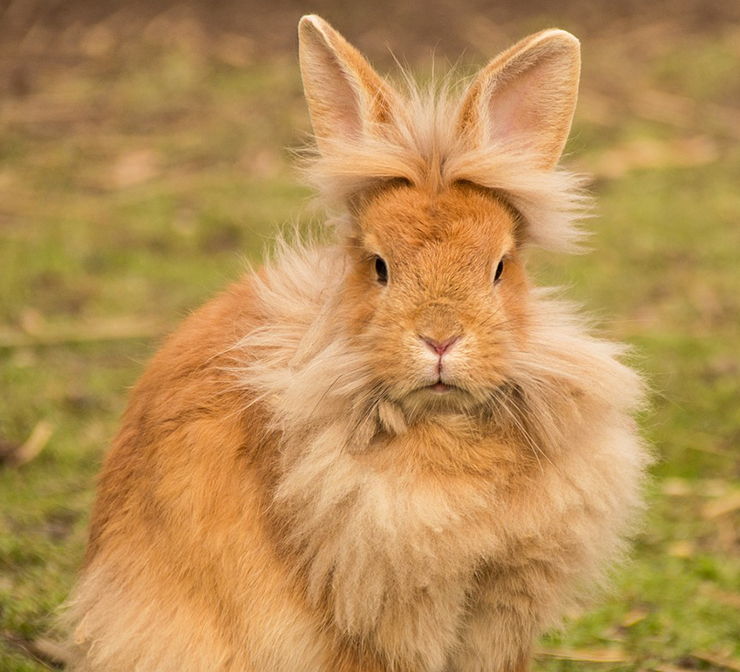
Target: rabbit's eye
x=381 y=269
x=499 y=271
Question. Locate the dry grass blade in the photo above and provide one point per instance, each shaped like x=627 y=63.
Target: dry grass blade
x=722 y=506
x=634 y=617
x=587 y=656
x=50 y=654
x=14 y=455
x=50 y=651
x=722 y=662
x=113 y=330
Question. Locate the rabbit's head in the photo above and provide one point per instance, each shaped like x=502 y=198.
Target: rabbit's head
x=441 y=195
x=436 y=293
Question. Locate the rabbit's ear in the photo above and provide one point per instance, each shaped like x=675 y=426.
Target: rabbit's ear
x=346 y=97
x=525 y=97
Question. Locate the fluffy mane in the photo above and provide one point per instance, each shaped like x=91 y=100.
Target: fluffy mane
x=305 y=368
x=568 y=402
x=422 y=145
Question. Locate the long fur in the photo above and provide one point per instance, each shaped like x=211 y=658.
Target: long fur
x=381 y=540
x=424 y=147
x=277 y=501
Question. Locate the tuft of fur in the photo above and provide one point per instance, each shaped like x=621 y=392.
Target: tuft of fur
x=289 y=493
x=401 y=545
x=423 y=147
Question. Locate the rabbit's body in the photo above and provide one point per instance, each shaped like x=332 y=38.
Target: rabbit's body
x=325 y=470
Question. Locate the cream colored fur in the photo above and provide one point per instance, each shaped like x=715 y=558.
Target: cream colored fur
x=402 y=557
x=282 y=498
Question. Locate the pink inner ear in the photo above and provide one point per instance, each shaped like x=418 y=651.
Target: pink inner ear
x=528 y=102
x=513 y=115
x=525 y=108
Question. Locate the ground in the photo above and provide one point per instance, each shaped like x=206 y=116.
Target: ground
x=138 y=176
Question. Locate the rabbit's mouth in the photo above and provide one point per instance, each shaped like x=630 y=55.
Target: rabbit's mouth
x=437 y=396
x=439 y=386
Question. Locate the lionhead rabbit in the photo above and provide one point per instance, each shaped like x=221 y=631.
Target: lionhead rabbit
x=390 y=452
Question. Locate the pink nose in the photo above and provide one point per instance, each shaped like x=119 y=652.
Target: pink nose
x=440 y=347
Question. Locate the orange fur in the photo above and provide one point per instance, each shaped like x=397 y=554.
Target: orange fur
x=302 y=484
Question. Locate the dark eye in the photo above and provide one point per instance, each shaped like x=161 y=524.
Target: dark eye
x=499 y=271
x=382 y=270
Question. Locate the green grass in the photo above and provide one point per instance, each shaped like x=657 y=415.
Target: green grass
x=132 y=188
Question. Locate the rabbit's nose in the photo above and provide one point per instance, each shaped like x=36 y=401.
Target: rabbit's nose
x=439 y=347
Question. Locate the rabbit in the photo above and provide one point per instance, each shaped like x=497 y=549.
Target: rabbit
x=389 y=452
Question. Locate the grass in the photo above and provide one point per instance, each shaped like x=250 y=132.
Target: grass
x=135 y=184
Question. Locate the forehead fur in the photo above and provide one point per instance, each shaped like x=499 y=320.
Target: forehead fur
x=400 y=220
x=422 y=146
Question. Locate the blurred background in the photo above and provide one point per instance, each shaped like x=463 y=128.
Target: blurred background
x=145 y=156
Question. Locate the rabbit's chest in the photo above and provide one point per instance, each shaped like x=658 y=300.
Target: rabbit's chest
x=427 y=507
x=406 y=571
x=393 y=540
